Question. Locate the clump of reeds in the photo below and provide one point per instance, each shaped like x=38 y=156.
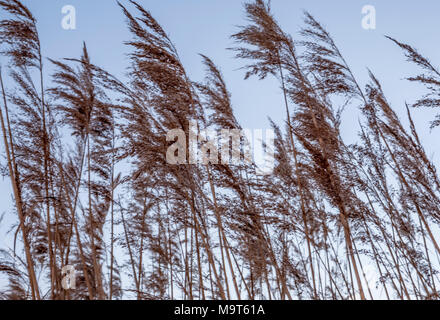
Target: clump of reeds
x=86 y=156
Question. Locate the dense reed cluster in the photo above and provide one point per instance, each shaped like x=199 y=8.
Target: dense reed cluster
x=86 y=157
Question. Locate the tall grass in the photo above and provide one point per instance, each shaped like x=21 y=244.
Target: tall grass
x=86 y=157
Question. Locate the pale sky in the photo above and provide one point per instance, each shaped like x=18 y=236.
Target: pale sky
x=204 y=26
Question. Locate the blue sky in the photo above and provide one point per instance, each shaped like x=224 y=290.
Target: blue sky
x=198 y=26
x=205 y=26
